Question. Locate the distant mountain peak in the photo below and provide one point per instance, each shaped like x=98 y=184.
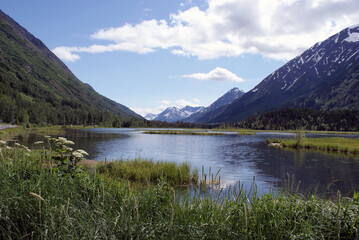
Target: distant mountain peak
x=227 y=98
x=234 y=90
x=150 y=116
x=174 y=114
x=216 y=107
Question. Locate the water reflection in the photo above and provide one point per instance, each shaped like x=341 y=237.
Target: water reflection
x=240 y=158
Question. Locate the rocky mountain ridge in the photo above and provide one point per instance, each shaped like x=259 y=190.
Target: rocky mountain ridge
x=216 y=107
x=324 y=77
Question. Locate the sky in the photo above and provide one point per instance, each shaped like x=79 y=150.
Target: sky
x=152 y=54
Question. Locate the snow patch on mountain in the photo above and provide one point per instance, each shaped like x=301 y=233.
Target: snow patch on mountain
x=353 y=37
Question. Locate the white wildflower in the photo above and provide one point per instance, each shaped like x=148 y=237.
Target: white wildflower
x=82 y=152
x=39 y=142
x=47 y=137
x=2 y=142
x=61 y=140
x=17 y=144
x=69 y=142
x=77 y=154
x=67 y=148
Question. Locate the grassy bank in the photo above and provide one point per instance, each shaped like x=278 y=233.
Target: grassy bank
x=199 y=132
x=335 y=144
x=182 y=132
x=41 y=201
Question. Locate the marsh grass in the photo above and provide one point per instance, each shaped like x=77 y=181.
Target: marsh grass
x=336 y=144
x=147 y=171
x=36 y=203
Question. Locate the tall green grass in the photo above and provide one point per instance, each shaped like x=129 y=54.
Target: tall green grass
x=148 y=171
x=336 y=144
x=37 y=202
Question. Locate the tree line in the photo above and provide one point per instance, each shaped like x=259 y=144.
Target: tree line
x=302 y=118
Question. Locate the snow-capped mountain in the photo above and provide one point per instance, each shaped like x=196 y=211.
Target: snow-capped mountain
x=216 y=107
x=174 y=114
x=326 y=76
x=227 y=98
x=150 y=116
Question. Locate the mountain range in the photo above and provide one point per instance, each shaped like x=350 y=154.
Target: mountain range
x=324 y=77
x=174 y=114
x=37 y=87
x=195 y=114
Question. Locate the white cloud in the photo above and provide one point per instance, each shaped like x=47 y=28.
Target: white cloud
x=196 y=100
x=278 y=29
x=144 y=111
x=165 y=102
x=65 y=53
x=182 y=103
x=217 y=74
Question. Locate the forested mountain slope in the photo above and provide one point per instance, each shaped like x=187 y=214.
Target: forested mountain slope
x=37 y=87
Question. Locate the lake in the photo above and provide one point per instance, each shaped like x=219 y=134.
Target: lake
x=239 y=157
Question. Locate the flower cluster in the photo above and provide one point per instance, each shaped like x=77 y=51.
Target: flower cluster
x=66 y=151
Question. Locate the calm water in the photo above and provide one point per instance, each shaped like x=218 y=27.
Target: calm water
x=240 y=158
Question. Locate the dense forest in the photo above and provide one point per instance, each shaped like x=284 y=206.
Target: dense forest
x=300 y=118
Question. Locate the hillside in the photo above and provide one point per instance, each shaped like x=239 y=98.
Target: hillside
x=37 y=87
x=324 y=77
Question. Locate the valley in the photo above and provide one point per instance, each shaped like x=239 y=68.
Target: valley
x=282 y=156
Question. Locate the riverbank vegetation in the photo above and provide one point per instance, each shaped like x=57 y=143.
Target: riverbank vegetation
x=335 y=144
x=201 y=131
x=183 y=132
x=44 y=200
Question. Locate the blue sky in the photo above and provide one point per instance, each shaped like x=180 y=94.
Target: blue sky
x=152 y=54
